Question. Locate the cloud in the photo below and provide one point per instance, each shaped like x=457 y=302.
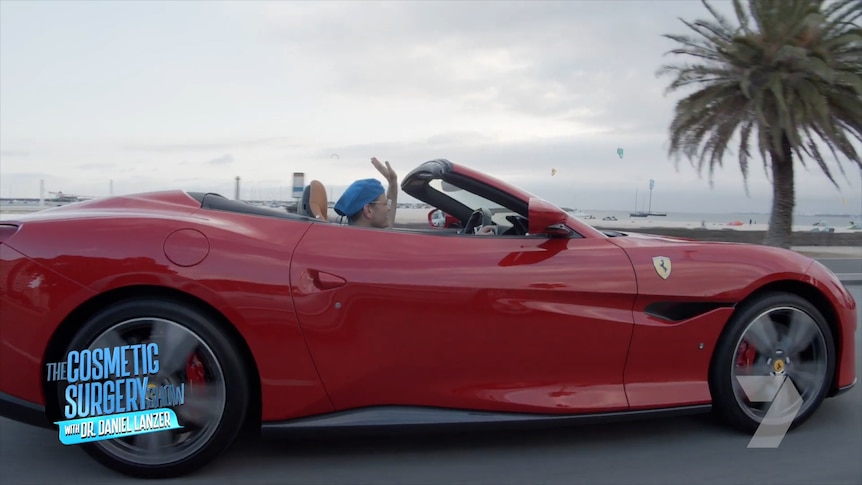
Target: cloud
x=208 y=146
x=266 y=89
x=105 y=167
x=563 y=60
x=14 y=153
x=222 y=160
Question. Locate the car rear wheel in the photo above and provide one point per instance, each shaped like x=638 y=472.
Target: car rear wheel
x=774 y=361
x=200 y=378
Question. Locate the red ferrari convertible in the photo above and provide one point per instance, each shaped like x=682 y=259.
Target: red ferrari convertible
x=150 y=329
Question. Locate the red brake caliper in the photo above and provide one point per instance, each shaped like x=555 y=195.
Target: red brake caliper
x=195 y=371
x=745 y=354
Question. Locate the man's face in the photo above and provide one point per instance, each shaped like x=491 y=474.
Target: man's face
x=380 y=211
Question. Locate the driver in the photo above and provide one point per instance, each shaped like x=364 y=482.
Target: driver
x=366 y=204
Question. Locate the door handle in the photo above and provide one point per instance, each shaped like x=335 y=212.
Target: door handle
x=325 y=281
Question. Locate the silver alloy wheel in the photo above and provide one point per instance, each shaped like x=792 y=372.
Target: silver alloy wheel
x=783 y=342
x=204 y=403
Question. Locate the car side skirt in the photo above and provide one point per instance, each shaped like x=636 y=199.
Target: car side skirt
x=23 y=411
x=386 y=416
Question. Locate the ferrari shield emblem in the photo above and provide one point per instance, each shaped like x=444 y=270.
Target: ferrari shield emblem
x=662 y=266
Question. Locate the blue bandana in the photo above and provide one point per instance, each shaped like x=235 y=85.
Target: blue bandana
x=357 y=195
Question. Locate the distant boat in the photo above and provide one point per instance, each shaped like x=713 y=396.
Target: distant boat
x=579 y=213
x=648 y=212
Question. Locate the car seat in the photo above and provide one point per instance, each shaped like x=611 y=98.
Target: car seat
x=313 y=202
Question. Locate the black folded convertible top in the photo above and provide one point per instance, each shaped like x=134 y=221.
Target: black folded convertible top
x=213 y=201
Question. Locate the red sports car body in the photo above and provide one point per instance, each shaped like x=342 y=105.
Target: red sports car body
x=279 y=319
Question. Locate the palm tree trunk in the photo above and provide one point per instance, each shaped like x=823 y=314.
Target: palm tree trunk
x=783 y=197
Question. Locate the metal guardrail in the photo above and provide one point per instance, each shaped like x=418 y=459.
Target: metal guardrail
x=850 y=278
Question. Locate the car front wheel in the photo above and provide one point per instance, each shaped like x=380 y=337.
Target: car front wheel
x=774 y=363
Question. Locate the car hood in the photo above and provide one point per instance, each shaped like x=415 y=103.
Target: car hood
x=677 y=267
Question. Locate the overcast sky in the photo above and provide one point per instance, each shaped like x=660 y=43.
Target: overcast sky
x=150 y=96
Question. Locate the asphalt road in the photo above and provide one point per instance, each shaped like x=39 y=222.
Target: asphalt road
x=685 y=450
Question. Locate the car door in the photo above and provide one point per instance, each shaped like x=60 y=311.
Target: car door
x=501 y=323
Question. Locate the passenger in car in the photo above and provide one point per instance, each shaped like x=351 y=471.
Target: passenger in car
x=365 y=203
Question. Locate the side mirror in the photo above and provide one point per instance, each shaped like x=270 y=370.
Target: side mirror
x=441 y=220
x=436 y=218
x=545 y=218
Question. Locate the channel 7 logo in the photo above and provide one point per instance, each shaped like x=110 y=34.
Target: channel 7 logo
x=785 y=403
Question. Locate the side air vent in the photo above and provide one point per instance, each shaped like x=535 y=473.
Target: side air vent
x=676 y=311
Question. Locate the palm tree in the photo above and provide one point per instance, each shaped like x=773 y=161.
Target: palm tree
x=788 y=78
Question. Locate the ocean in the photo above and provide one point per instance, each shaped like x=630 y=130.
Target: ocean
x=833 y=220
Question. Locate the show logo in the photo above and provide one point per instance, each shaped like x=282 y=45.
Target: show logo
x=109 y=394
x=785 y=402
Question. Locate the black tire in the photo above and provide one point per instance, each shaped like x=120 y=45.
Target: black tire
x=803 y=351
x=216 y=388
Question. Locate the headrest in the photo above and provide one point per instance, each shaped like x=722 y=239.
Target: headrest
x=317 y=203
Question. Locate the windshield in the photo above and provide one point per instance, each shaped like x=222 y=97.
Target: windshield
x=471 y=200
